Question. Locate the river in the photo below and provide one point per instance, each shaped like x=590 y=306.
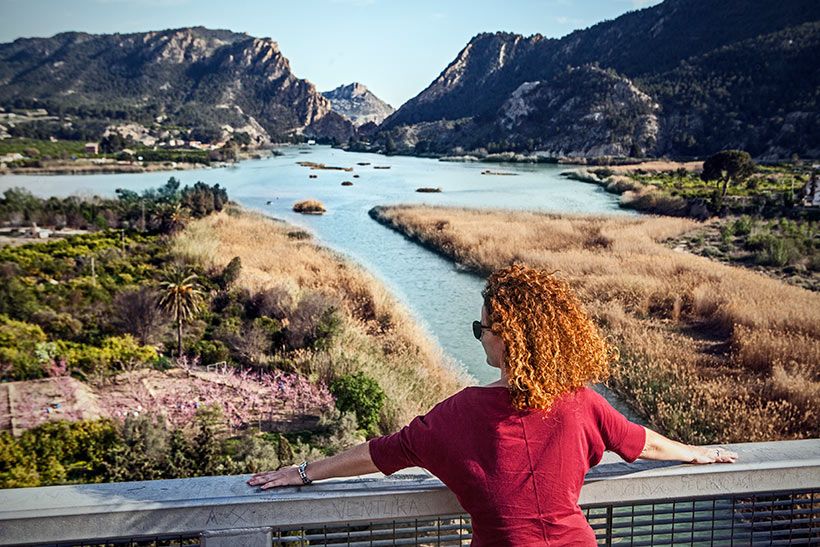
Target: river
x=443 y=298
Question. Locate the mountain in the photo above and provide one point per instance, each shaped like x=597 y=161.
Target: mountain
x=359 y=104
x=208 y=80
x=684 y=77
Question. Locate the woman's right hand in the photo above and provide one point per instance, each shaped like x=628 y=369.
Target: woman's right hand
x=707 y=454
x=287 y=476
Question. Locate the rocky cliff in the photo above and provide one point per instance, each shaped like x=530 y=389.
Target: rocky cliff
x=685 y=77
x=193 y=77
x=358 y=104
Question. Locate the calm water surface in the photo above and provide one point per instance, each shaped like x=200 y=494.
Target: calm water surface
x=444 y=299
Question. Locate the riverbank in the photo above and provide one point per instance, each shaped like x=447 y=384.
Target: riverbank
x=61 y=158
x=767 y=224
x=676 y=189
x=710 y=353
x=97 y=167
x=379 y=337
x=286 y=351
x=783 y=249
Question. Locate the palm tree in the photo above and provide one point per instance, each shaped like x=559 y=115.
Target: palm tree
x=182 y=298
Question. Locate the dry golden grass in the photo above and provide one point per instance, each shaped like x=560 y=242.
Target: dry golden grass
x=309 y=206
x=711 y=353
x=657 y=166
x=380 y=337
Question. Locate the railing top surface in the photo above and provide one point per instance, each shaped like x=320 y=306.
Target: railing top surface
x=757 y=458
x=208 y=503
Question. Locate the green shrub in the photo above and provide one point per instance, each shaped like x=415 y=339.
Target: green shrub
x=231 y=272
x=727 y=232
x=252 y=453
x=116 y=353
x=143 y=450
x=777 y=251
x=19 y=343
x=211 y=351
x=743 y=225
x=759 y=240
x=362 y=395
x=57 y=452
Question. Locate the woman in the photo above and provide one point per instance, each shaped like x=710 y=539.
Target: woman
x=515 y=452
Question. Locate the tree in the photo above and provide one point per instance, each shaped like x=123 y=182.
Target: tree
x=170 y=218
x=207 y=446
x=136 y=313
x=728 y=167
x=231 y=273
x=182 y=298
x=362 y=395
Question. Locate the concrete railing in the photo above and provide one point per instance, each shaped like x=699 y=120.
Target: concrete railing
x=224 y=510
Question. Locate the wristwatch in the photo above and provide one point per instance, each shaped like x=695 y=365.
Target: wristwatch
x=302 y=468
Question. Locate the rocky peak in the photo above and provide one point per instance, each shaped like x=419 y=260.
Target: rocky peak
x=357 y=103
x=178 y=46
x=484 y=62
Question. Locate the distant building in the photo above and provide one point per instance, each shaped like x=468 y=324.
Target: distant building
x=14 y=156
x=38 y=233
x=92 y=148
x=811 y=191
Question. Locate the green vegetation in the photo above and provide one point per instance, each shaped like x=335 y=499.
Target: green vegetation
x=784 y=248
x=362 y=395
x=42 y=148
x=155 y=211
x=128 y=313
x=187 y=156
x=144 y=448
x=770 y=185
x=728 y=167
x=181 y=297
x=729 y=184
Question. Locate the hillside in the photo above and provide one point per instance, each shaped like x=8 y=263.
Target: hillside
x=215 y=82
x=713 y=75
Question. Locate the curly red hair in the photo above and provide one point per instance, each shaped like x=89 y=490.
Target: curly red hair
x=552 y=347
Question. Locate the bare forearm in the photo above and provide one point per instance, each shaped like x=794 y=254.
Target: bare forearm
x=658 y=447
x=355 y=461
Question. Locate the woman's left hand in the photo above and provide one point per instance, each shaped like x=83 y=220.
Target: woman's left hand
x=705 y=454
x=287 y=476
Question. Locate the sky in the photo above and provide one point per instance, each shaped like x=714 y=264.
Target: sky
x=394 y=47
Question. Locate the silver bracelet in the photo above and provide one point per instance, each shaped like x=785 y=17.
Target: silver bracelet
x=302 y=468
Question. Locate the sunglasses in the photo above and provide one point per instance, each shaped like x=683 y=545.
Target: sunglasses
x=478 y=328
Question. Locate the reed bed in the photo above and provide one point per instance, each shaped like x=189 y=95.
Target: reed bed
x=309 y=206
x=380 y=338
x=710 y=352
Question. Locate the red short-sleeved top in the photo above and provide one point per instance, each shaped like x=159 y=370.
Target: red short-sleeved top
x=517 y=473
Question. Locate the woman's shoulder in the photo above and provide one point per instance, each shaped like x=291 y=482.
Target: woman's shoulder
x=478 y=395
